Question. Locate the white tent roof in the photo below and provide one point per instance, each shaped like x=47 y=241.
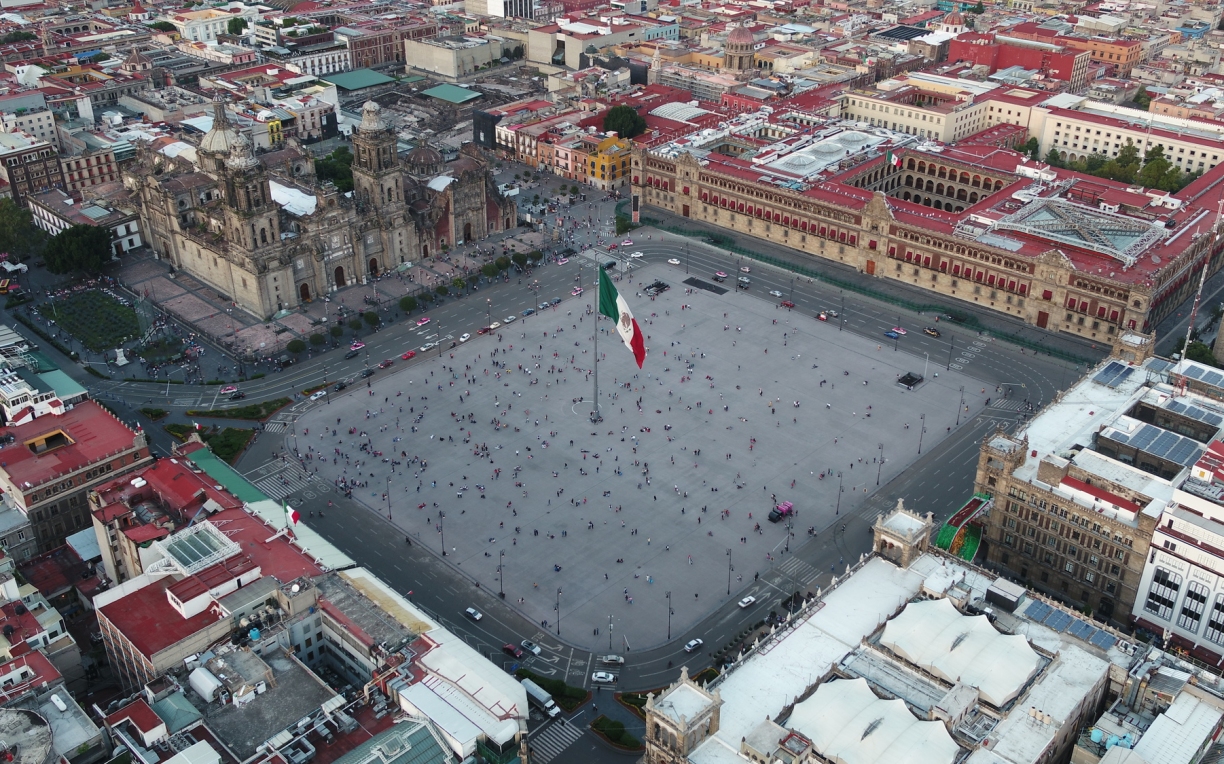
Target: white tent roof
x=959 y=648
x=848 y=724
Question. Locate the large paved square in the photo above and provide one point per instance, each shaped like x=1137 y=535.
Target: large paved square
x=694 y=450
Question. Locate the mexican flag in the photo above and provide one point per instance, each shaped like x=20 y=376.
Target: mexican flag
x=894 y=160
x=612 y=305
x=293 y=515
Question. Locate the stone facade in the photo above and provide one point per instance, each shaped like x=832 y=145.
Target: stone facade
x=679 y=720
x=219 y=222
x=903 y=536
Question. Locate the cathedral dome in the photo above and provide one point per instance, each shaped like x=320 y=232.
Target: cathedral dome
x=222 y=137
x=371 y=117
x=954 y=19
x=424 y=160
x=741 y=35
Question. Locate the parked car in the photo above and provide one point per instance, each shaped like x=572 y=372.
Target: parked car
x=544 y=306
x=511 y=319
x=316 y=396
x=787 y=304
x=427 y=347
x=473 y=613
x=555 y=301
x=366 y=374
x=340 y=386
x=408 y=355
x=465 y=337
x=529 y=312
x=385 y=363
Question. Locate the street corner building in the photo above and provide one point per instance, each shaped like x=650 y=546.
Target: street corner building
x=263 y=231
x=975 y=221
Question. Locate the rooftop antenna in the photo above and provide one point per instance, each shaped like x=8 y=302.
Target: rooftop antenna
x=1198 y=295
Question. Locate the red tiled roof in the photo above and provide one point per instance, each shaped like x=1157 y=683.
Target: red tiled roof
x=141 y=534
x=95 y=432
x=139 y=714
x=146 y=618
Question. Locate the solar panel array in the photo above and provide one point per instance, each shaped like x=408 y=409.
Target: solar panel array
x=1194 y=412
x=1037 y=611
x=1103 y=640
x=1057 y=620
x=1158 y=365
x=1162 y=443
x=1113 y=374
x=1206 y=376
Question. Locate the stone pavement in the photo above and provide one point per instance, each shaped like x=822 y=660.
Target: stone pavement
x=686 y=465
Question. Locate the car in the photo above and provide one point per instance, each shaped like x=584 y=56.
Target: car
x=899 y=330
x=357 y=345
x=720 y=276
x=627 y=243
x=483 y=330
x=385 y=363
x=612 y=660
x=833 y=313
x=745 y=269
x=747 y=602
x=318 y=395
x=822 y=316
x=422 y=321
x=237 y=396
x=636 y=255
x=610 y=265
x=512 y=650
x=367 y=373
x=544 y=306
x=673 y=261
x=774 y=293
x=603 y=677
x=932 y=331
x=562 y=260
x=555 y=301
x=528 y=312
x=427 y=347
x=408 y=355
x=693 y=645
x=494 y=325
x=651 y=291
x=743 y=282
x=340 y=386
x=787 y=304
x=661 y=286
x=473 y=613
x=576 y=291
x=465 y=337
x=229 y=389
x=511 y=319
x=530 y=646
x=611 y=247
x=890 y=334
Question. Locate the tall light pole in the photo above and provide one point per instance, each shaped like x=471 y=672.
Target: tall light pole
x=841 y=324
x=388 y=497
x=961 y=405
x=669 y=615
x=951 y=344
x=837 y=511
x=921 y=430
x=609 y=632
x=687 y=258
x=558 y=611
x=728 y=571
x=442 y=530
x=326 y=389
x=501 y=574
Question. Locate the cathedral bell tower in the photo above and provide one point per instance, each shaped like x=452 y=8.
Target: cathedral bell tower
x=378 y=189
x=252 y=219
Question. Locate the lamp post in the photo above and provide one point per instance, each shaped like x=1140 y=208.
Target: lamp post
x=442 y=530
x=669 y=615
x=881 y=467
x=897 y=338
x=388 y=497
x=841 y=324
x=728 y=571
x=921 y=430
x=326 y=389
x=951 y=345
x=837 y=511
x=609 y=632
x=501 y=574
x=960 y=406
x=790 y=531
x=558 y=608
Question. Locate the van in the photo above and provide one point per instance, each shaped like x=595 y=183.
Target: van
x=540 y=699
x=785 y=509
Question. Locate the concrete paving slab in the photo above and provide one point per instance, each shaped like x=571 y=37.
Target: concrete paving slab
x=685 y=466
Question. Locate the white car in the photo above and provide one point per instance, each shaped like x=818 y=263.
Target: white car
x=627 y=243
x=530 y=646
x=774 y=293
x=427 y=347
x=318 y=395
x=494 y=325
x=636 y=255
x=511 y=319
x=693 y=645
x=464 y=337
x=603 y=677
x=673 y=261
x=747 y=602
x=473 y=613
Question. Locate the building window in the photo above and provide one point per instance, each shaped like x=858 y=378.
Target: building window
x=1163 y=593
x=1215 y=622
x=1192 y=607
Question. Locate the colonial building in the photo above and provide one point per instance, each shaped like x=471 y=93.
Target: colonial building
x=261 y=230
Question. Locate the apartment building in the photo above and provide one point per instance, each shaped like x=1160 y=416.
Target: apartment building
x=54 y=211
x=28 y=165
x=926 y=105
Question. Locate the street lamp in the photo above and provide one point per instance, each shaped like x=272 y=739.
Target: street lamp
x=687 y=258
x=442 y=530
x=897 y=338
x=388 y=497
x=790 y=531
x=881 y=467
x=842 y=324
x=326 y=390
x=728 y=571
x=951 y=344
x=669 y=615
x=609 y=632
x=837 y=511
x=960 y=406
x=501 y=573
x=558 y=611
x=921 y=430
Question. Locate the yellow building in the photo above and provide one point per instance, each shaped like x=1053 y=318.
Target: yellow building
x=608 y=161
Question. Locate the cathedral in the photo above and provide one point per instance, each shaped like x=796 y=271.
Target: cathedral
x=261 y=229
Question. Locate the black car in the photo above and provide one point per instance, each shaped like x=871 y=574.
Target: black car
x=660 y=286
x=609 y=265
x=340 y=386
x=238 y=396
x=352 y=354
x=367 y=373
x=555 y=301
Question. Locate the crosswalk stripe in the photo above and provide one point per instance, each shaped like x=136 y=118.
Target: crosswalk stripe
x=275 y=485
x=554 y=739
x=1007 y=405
x=798 y=569
x=275 y=427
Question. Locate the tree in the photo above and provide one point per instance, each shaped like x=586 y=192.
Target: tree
x=336 y=331
x=295 y=346
x=317 y=339
x=13 y=37
x=1129 y=155
x=625 y=121
x=426 y=297
x=354 y=324
x=458 y=283
x=163 y=26
x=489 y=269
x=1152 y=172
x=1095 y=162
x=1033 y=148
x=519 y=259
x=235 y=26
x=407 y=304
x=979 y=8
x=502 y=263
x=79 y=248
x=1154 y=154
x=1142 y=99
x=442 y=290
x=371 y=318
x=18 y=234
x=535 y=256
x=1053 y=159
x=338 y=168
x=1201 y=353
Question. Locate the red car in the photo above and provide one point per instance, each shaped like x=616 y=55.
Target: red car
x=483 y=330
x=788 y=304
x=408 y=355
x=385 y=363
x=512 y=650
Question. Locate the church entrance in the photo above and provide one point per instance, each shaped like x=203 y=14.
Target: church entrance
x=374 y=267
x=305 y=292
x=340 y=282
x=467 y=232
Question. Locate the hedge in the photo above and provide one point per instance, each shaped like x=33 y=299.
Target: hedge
x=258 y=411
x=615 y=734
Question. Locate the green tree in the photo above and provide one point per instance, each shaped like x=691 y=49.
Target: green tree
x=317 y=339
x=295 y=346
x=442 y=289
x=79 y=248
x=408 y=304
x=1201 y=353
x=162 y=26
x=1033 y=148
x=535 y=256
x=13 y=37
x=18 y=234
x=336 y=331
x=489 y=269
x=426 y=297
x=519 y=259
x=1053 y=159
x=371 y=318
x=354 y=324
x=1153 y=172
x=338 y=168
x=1154 y=154
x=502 y=263
x=458 y=283
x=979 y=8
x=1095 y=162
x=1142 y=99
x=1129 y=155
x=235 y=26
x=1120 y=173
x=625 y=121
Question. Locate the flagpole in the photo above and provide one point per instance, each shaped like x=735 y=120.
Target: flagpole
x=595 y=417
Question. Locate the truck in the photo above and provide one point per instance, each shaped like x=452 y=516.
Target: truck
x=785 y=509
x=540 y=699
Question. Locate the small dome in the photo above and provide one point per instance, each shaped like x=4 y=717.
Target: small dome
x=426 y=157
x=371 y=118
x=741 y=35
x=954 y=19
x=221 y=138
